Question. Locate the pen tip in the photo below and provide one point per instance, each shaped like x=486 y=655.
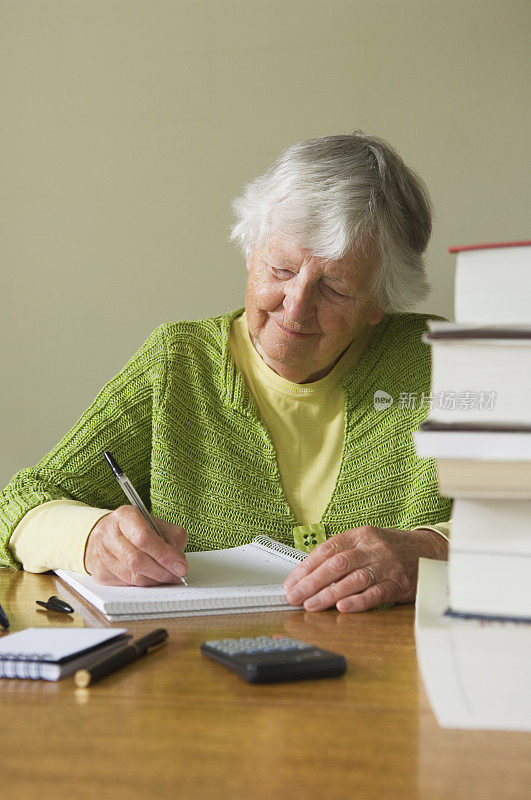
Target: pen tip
x=111 y=461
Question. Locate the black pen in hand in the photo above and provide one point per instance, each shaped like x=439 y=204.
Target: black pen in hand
x=100 y=669
x=133 y=496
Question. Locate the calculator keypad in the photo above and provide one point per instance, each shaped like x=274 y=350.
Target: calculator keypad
x=260 y=644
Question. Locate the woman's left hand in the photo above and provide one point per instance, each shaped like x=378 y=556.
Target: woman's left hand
x=362 y=568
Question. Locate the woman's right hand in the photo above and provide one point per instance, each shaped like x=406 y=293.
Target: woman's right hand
x=123 y=549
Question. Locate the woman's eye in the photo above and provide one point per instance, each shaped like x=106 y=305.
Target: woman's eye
x=286 y=274
x=282 y=273
x=332 y=292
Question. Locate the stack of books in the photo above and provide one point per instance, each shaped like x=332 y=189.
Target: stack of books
x=473 y=616
x=477 y=673
x=479 y=429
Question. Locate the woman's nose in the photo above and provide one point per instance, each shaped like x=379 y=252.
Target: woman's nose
x=299 y=299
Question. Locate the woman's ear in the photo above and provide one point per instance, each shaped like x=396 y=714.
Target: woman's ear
x=376 y=317
x=250 y=259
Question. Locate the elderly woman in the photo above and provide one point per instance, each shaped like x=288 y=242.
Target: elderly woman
x=290 y=411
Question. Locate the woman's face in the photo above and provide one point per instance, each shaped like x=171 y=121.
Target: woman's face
x=303 y=312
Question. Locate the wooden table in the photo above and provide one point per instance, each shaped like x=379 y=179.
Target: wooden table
x=177 y=725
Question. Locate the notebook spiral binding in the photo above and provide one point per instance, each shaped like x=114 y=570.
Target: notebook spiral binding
x=266 y=543
x=22 y=665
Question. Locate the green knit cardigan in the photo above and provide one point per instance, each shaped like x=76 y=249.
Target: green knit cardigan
x=185 y=429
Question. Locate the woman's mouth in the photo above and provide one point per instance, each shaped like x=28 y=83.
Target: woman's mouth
x=295 y=334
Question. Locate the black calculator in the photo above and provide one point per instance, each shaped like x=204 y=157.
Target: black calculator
x=266 y=659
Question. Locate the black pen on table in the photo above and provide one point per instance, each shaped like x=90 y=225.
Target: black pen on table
x=93 y=673
x=132 y=495
x=4 y=622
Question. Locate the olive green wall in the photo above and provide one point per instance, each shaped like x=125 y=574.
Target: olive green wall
x=127 y=126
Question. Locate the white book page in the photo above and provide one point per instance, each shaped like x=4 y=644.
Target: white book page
x=237 y=566
x=53 y=644
x=476 y=673
x=236 y=572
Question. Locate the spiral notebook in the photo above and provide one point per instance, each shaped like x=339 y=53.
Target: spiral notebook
x=235 y=580
x=53 y=653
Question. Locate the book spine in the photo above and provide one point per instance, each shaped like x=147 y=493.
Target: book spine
x=489 y=246
x=22 y=665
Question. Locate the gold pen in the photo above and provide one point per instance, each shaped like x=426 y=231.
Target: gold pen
x=94 y=672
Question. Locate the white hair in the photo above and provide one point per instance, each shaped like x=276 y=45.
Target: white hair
x=334 y=193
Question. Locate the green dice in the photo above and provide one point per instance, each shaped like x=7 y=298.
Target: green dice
x=306 y=537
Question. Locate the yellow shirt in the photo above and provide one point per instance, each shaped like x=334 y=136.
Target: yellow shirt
x=306 y=425
x=305 y=421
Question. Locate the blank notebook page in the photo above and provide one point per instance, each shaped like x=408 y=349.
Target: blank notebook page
x=239 y=566
x=236 y=571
